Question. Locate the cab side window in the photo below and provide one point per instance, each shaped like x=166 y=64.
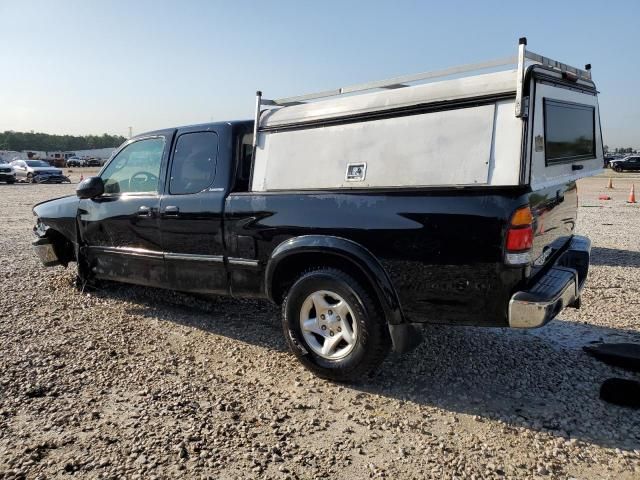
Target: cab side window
x=243 y=159
x=193 y=168
x=136 y=169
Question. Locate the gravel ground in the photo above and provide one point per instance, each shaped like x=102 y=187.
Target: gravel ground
x=141 y=383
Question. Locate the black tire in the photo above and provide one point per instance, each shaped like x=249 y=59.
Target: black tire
x=618 y=168
x=372 y=342
x=29 y=177
x=11 y=182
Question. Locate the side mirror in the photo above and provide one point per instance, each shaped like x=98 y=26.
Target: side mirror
x=90 y=188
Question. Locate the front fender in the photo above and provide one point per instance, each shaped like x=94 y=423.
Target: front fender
x=60 y=215
x=349 y=250
x=56 y=229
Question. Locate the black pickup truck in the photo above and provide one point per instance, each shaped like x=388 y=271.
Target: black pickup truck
x=355 y=269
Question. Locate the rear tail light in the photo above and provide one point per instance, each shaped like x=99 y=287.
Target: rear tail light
x=519 y=237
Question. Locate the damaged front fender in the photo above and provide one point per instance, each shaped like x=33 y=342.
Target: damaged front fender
x=55 y=231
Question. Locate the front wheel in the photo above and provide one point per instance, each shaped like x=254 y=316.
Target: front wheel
x=618 y=168
x=334 y=326
x=29 y=177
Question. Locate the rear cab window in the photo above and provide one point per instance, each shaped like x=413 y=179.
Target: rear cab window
x=243 y=155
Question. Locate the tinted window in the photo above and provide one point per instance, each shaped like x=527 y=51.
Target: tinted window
x=569 y=131
x=37 y=163
x=194 y=163
x=243 y=171
x=136 y=168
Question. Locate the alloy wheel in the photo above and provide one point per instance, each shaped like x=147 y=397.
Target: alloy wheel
x=328 y=325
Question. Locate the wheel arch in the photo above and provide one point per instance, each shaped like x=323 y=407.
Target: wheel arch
x=294 y=256
x=63 y=247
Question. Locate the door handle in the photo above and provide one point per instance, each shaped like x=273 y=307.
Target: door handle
x=171 y=211
x=144 y=211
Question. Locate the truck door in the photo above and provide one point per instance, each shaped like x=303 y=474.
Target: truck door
x=119 y=229
x=191 y=212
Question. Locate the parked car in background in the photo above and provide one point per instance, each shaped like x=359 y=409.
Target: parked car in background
x=76 y=162
x=607 y=160
x=93 y=162
x=631 y=162
x=610 y=158
x=7 y=172
x=38 y=171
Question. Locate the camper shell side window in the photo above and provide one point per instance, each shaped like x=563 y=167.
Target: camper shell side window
x=569 y=131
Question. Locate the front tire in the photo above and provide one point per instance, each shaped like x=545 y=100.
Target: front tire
x=334 y=326
x=29 y=177
x=618 y=168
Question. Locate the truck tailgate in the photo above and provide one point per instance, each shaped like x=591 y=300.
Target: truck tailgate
x=565 y=145
x=554 y=212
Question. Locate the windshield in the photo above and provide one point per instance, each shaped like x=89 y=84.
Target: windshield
x=37 y=163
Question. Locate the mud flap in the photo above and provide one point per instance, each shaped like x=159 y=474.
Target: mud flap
x=405 y=337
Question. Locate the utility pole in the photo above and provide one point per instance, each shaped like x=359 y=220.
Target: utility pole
x=130 y=132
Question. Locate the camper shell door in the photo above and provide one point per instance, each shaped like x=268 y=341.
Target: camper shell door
x=564 y=135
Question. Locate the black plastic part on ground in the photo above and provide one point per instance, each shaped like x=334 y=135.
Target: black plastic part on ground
x=625 y=355
x=622 y=392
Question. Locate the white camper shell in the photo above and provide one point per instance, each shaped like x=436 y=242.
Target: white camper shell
x=537 y=124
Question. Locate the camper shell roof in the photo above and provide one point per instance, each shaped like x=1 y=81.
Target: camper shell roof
x=462 y=83
x=487 y=85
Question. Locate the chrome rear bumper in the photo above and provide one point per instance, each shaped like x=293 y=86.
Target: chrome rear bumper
x=559 y=288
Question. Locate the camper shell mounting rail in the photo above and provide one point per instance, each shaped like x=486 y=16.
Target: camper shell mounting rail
x=520 y=60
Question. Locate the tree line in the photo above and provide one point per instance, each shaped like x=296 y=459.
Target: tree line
x=619 y=150
x=19 y=141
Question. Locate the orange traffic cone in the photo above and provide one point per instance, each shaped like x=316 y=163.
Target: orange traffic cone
x=610 y=184
x=632 y=194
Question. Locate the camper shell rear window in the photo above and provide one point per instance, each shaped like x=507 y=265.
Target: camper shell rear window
x=569 y=131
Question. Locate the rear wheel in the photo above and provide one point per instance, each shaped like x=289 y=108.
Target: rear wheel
x=334 y=326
